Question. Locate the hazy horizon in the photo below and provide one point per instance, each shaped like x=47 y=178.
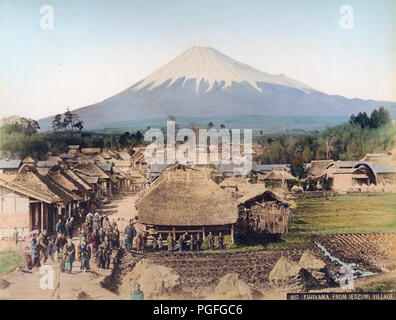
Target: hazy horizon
x=99 y=48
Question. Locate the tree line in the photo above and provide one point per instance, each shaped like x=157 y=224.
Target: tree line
x=20 y=137
x=348 y=141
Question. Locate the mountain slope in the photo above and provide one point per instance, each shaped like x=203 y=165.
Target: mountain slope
x=202 y=82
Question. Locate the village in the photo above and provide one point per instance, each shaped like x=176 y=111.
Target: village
x=190 y=223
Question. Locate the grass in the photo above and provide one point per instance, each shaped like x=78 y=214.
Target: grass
x=388 y=285
x=9 y=260
x=318 y=216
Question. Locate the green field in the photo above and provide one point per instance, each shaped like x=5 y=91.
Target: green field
x=9 y=260
x=318 y=216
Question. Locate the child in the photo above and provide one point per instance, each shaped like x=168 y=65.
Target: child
x=28 y=259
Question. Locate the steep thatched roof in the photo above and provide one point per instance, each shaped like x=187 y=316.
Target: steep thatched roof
x=251 y=196
x=81 y=181
x=91 y=169
x=31 y=183
x=186 y=197
x=278 y=175
x=318 y=167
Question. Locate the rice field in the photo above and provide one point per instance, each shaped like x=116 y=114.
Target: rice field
x=318 y=216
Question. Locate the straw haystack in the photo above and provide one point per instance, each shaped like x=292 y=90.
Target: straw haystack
x=230 y=287
x=156 y=281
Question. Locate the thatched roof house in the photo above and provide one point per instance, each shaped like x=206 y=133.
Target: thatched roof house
x=263 y=212
x=185 y=199
x=279 y=175
x=318 y=168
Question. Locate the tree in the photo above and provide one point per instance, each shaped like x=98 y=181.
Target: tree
x=384 y=116
x=329 y=147
x=375 y=121
x=210 y=125
x=297 y=167
x=71 y=122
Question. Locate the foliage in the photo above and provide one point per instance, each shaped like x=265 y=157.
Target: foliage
x=349 y=141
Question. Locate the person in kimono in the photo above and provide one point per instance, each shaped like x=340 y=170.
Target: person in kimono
x=107 y=250
x=60 y=227
x=137 y=294
x=169 y=241
x=115 y=237
x=51 y=248
x=160 y=243
x=28 y=259
x=69 y=254
x=70 y=227
x=199 y=242
x=220 y=241
x=100 y=259
x=84 y=254
x=35 y=252
x=193 y=242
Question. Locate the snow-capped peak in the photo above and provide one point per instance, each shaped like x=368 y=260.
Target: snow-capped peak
x=207 y=64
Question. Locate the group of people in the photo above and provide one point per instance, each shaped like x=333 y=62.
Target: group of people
x=186 y=242
x=98 y=237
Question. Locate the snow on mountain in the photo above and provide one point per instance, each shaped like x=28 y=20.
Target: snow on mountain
x=213 y=67
x=204 y=83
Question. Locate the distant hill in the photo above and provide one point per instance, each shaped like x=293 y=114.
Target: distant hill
x=204 y=83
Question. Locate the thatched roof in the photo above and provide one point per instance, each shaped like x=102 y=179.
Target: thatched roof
x=278 y=175
x=186 y=198
x=92 y=170
x=251 y=196
x=318 y=167
x=90 y=150
x=28 y=160
x=31 y=183
x=81 y=181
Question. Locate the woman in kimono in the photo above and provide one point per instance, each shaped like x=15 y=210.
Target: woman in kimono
x=137 y=294
x=69 y=254
x=84 y=254
x=94 y=243
x=35 y=252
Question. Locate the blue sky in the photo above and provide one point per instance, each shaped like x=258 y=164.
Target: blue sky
x=98 y=48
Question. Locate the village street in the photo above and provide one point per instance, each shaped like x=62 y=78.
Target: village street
x=25 y=284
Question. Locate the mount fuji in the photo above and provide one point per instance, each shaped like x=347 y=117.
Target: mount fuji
x=203 y=83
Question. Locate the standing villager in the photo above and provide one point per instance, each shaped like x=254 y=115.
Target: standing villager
x=96 y=222
x=210 y=240
x=160 y=243
x=199 y=242
x=34 y=252
x=69 y=254
x=169 y=241
x=193 y=243
x=42 y=244
x=100 y=258
x=94 y=242
x=116 y=237
x=180 y=243
x=28 y=259
x=101 y=235
x=143 y=241
x=60 y=227
x=70 y=227
x=154 y=244
x=84 y=254
x=59 y=244
x=220 y=241
x=137 y=294
x=139 y=242
x=51 y=248
x=107 y=250
x=130 y=232
x=15 y=236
